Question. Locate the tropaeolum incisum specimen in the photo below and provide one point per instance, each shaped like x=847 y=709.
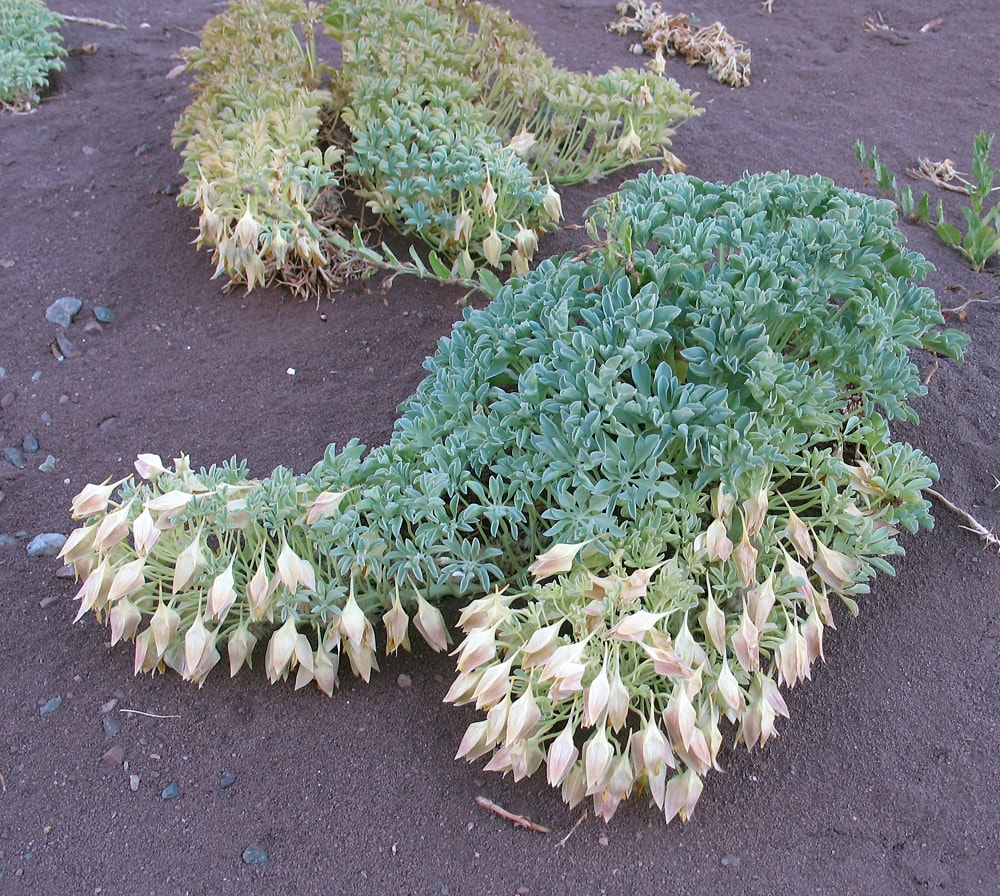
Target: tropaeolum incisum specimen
x=647 y=471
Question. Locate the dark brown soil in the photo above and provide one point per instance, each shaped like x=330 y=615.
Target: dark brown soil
x=885 y=779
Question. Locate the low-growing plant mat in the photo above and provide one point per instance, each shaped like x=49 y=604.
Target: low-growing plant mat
x=884 y=778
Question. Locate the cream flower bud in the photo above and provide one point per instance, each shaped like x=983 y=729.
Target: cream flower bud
x=129 y=579
x=618 y=701
x=324 y=505
x=679 y=717
x=760 y=601
x=524 y=714
x=717 y=542
x=169 y=502
x=478 y=648
x=492 y=248
x=561 y=755
x=79 y=545
x=112 y=529
x=196 y=642
x=597 y=756
x=552 y=205
x=293 y=570
x=463 y=227
x=144 y=532
x=325 y=667
x=518 y=262
x=595 y=698
x=475 y=742
x=681 y=795
x=494 y=685
x=125 y=618
x=629 y=145
x=93 y=499
x=521 y=142
x=163 y=625
x=240 y=648
x=526 y=241
x=540 y=646
x=279 y=247
x=755 y=511
x=149 y=466
x=353 y=620
x=146 y=655
x=835 y=568
x=188 y=562
x=280 y=650
x=489 y=198
x=559 y=558
x=745 y=558
x=247 y=231
x=221 y=594
x=430 y=623
x=746 y=643
x=713 y=623
x=397 y=625
x=798 y=534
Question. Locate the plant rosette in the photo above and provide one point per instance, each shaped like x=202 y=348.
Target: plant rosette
x=672 y=450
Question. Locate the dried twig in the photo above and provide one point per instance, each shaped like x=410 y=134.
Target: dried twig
x=960 y=309
x=572 y=830
x=519 y=820
x=152 y=715
x=98 y=23
x=989 y=537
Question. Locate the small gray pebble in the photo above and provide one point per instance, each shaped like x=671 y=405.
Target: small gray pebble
x=49 y=464
x=731 y=861
x=171 y=791
x=6 y=400
x=110 y=725
x=7 y=540
x=254 y=855
x=133 y=783
x=107 y=423
x=50 y=705
x=104 y=314
x=30 y=444
x=48 y=544
x=67 y=348
x=62 y=311
x=14 y=457
x=3 y=372
x=228 y=779
x=46 y=417
x=36 y=377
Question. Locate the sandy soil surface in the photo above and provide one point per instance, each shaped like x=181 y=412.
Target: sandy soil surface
x=886 y=779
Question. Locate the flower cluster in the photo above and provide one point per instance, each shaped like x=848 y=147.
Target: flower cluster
x=686 y=426
x=454 y=137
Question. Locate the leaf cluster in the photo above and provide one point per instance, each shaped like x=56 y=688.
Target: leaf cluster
x=30 y=48
x=980 y=240
x=694 y=411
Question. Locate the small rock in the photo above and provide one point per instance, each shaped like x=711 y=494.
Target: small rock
x=62 y=311
x=228 y=779
x=107 y=423
x=603 y=840
x=143 y=147
x=404 y=680
x=67 y=348
x=104 y=314
x=7 y=540
x=114 y=757
x=65 y=572
x=111 y=725
x=109 y=705
x=2 y=496
x=170 y=190
x=29 y=445
x=254 y=855
x=171 y=791
x=6 y=400
x=46 y=417
x=36 y=377
x=133 y=783
x=92 y=327
x=3 y=372
x=50 y=705
x=48 y=601
x=49 y=464
x=48 y=544
x=14 y=457
x=731 y=861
